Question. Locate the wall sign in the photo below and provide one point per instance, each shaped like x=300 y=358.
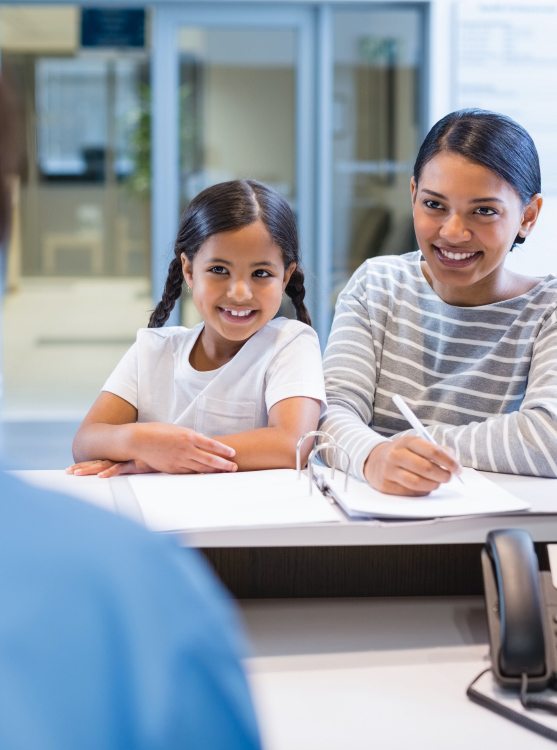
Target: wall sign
x=108 y=27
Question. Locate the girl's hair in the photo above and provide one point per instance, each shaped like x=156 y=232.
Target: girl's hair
x=226 y=206
x=490 y=139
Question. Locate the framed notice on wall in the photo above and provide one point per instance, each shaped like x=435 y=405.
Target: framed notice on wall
x=113 y=27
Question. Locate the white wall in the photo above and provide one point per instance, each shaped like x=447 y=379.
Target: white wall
x=502 y=55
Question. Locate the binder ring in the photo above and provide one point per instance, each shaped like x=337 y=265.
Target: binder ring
x=313 y=433
x=321 y=447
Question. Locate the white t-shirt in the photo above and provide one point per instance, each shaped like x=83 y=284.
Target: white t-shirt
x=282 y=360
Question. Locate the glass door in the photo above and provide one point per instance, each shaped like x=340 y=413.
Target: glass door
x=77 y=284
x=377 y=120
x=232 y=99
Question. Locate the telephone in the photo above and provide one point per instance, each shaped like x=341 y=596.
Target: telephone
x=521 y=603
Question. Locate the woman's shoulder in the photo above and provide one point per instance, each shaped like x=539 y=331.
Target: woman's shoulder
x=542 y=296
x=546 y=286
x=389 y=272
x=405 y=264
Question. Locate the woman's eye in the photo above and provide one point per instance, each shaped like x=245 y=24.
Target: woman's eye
x=261 y=273
x=218 y=269
x=486 y=211
x=432 y=204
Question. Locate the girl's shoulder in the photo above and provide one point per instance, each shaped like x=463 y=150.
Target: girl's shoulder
x=157 y=339
x=288 y=328
x=279 y=334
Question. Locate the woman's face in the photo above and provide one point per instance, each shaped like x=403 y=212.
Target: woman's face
x=466 y=219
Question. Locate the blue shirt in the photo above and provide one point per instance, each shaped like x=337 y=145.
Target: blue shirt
x=110 y=636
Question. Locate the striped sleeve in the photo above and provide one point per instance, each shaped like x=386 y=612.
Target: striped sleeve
x=483 y=380
x=350 y=373
x=523 y=441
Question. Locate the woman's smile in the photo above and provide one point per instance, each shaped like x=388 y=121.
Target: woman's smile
x=456 y=257
x=466 y=219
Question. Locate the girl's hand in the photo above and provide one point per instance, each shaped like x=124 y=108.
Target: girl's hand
x=409 y=465
x=104 y=469
x=179 y=450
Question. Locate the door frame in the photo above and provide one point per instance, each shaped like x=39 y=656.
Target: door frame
x=166 y=22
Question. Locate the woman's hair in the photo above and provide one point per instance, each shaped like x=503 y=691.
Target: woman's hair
x=226 y=206
x=490 y=139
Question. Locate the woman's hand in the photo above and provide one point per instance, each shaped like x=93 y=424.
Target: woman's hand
x=409 y=465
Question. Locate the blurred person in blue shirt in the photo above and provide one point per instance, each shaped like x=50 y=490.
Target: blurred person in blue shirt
x=110 y=636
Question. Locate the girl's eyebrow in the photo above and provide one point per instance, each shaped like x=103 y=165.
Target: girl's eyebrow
x=258 y=263
x=489 y=199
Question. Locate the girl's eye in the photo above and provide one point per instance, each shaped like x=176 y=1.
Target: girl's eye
x=433 y=204
x=486 y=211
x=261 y=273
x=221 y=270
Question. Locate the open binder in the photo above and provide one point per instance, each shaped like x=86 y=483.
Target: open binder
x=295 y=496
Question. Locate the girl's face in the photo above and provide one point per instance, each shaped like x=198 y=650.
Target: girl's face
x=237 y=280
x=466 y=219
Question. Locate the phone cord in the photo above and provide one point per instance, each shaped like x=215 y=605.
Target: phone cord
x=531 y=701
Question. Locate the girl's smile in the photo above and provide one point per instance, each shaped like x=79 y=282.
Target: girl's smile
x=237 y=317
x=466 y=219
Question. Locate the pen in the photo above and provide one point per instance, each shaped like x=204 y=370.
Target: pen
x=409 y=415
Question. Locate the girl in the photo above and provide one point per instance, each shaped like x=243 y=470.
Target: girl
x=239 y=389
x=469 y=344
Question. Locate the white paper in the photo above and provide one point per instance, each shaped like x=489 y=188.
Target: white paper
x=274 y=497
x=475 y=496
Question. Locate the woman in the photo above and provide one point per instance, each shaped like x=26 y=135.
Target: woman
x=468 y=343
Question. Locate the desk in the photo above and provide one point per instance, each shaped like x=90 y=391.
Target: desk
x=351 y=558
x=373 y=673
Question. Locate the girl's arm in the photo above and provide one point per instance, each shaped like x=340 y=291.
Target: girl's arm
x=110 y=431
x=274 y=446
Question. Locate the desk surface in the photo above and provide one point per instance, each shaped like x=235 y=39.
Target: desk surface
x=116 y=494
x=373 y=673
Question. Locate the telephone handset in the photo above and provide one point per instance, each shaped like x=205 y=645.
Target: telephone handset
x=516 y=610
x=521 y=604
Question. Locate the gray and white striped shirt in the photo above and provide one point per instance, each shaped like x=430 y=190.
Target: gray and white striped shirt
x=482 y=379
